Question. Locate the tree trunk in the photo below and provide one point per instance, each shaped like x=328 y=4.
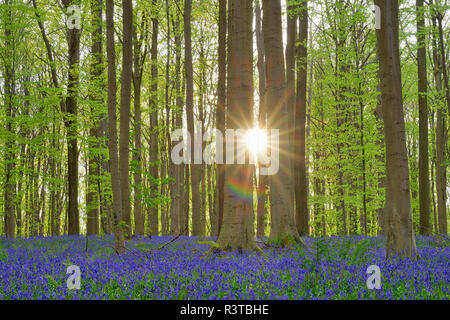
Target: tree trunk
x=283 y=224
x=93 y=193
x=237 y=228
x=262 y=181
x=290 y=86
x=71 y=126
x=138 y=66
x=125 y=101
x=153 y=211
x=112 y=127
x=221 y=112
x=381 y=212
x=195 y=170
x=301 y=195
x=400 y=237
x=9 y=84
x=441 y=141
x=424 y=179
x=179 y=170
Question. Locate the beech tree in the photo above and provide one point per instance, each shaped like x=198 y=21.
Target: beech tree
x=424 y=178
x=237 y=226
x=125 y=101
x=153 y=224
x=221 y=112
x=301 y=193
x=112 y=128
x=73 y=42
x=262 y=119
x=400 y=238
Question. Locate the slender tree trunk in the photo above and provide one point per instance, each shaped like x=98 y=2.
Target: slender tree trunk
x=381 y=212
x=71 y=126
x=433 y=176
x=153 y=212
x=400 y=237
x=424 y=178
x=112 y=127
x=125 y=101
x=441 y=141
x=263 y=180
x=93 y=193
x=9 y=86
x=221 y=112
x=301 y=195
x=290 y=85
x=440 y=17
x=195 y=170
x=138 y=62
x=186 y=199
x=179 y=170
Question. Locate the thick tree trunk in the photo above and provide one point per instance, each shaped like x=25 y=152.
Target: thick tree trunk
x=237 y=228
x=400 y=237
x=112 y=127
x=301 y=195
x=282 y=209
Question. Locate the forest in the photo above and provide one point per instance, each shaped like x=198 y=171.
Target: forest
x=224 y=149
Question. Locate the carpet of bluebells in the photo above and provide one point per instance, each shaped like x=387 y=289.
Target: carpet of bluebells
x=327 y=268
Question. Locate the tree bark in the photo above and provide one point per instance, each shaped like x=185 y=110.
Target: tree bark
x=9 y=87
x=424 y=179
x=237 y=228
x=441 y=141
x=221 y=111
x=112 y=128
x=93 y=193
x=400 y=237
x=195 y=170
x=73 y=41
x=290 y=85
x=179 y=170
x=138 y=66
x=125 y=101
x=283 y=224
x=153 y=211
x=263 y=180
x=301 y=195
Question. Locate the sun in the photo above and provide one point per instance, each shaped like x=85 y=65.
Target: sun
x=256 y=141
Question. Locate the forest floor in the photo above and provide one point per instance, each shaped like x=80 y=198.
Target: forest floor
x=328 y=268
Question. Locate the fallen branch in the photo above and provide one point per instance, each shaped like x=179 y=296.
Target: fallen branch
x=167 y=243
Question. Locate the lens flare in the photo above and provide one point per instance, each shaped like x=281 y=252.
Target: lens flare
x=256 y=141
